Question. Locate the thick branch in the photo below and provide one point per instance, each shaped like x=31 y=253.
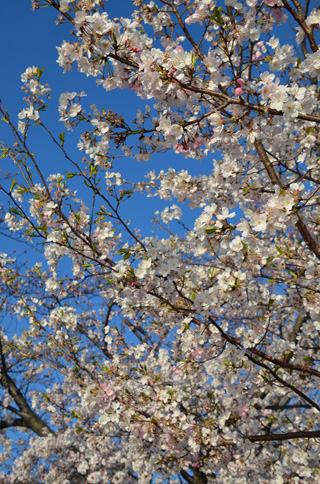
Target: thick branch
x=303 y=434
x=12 y=422
x=29 y=417
x=283 y=382
x=300 y=19
x=281 y=363
x=301 y=226
x=197 y=478
x=241 y=102
x=185 y=30
x=249 y=354
x=301 y=319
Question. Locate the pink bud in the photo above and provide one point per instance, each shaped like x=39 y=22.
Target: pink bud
x=276 y=14
x=256 y=56
x=243 y=412
x=240 y=81
x=239 y=91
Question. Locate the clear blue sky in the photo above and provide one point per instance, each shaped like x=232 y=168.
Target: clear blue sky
x=31 y=38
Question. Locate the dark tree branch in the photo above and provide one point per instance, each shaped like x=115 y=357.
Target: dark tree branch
x=12 y=422
x=301 y=226
x=29 y=417
x=303 y=434
x=197 y=478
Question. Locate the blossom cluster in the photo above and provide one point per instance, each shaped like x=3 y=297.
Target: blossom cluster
x=191 y=352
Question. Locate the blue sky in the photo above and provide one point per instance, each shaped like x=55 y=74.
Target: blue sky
x=31 y=38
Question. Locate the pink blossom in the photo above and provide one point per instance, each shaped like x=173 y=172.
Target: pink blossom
x=146 y=345
x=109 y=393
x=239 y=91
x=277 y=14
x=243 y=412
x=256 y=55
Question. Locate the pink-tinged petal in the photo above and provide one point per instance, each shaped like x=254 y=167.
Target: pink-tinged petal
x=239 y=91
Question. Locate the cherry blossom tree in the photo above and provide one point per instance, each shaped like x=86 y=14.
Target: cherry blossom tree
x=189 y=354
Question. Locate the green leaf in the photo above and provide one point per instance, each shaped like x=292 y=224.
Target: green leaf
x=126 y=192
x=13 y=184
x=216 y=15
x=75 y=415
x=70 y=175
x=93 y=170
x=5 y=151
x=15 y=210
x=61 y=138
x=39 y=72
x=292 y=273
x=125 y=252
x=87 y=266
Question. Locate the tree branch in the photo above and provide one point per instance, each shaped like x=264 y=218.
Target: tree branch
x=301 y=226
x=303 y=434
x=197 y=478
x=29 y=417
x=12 y=422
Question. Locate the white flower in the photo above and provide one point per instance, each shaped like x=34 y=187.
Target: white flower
x=243 y=227
x=258 y=222
x=104 y=419
x=64 y=5
x=143 y=268
x=273 y=42
x=291 y=109
x=74 y=110
x=314 y=18
x=29 y=113
x=278 y=98
x=299 y=35
x=28 y=74
x=236 y=244
x=21 y=127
